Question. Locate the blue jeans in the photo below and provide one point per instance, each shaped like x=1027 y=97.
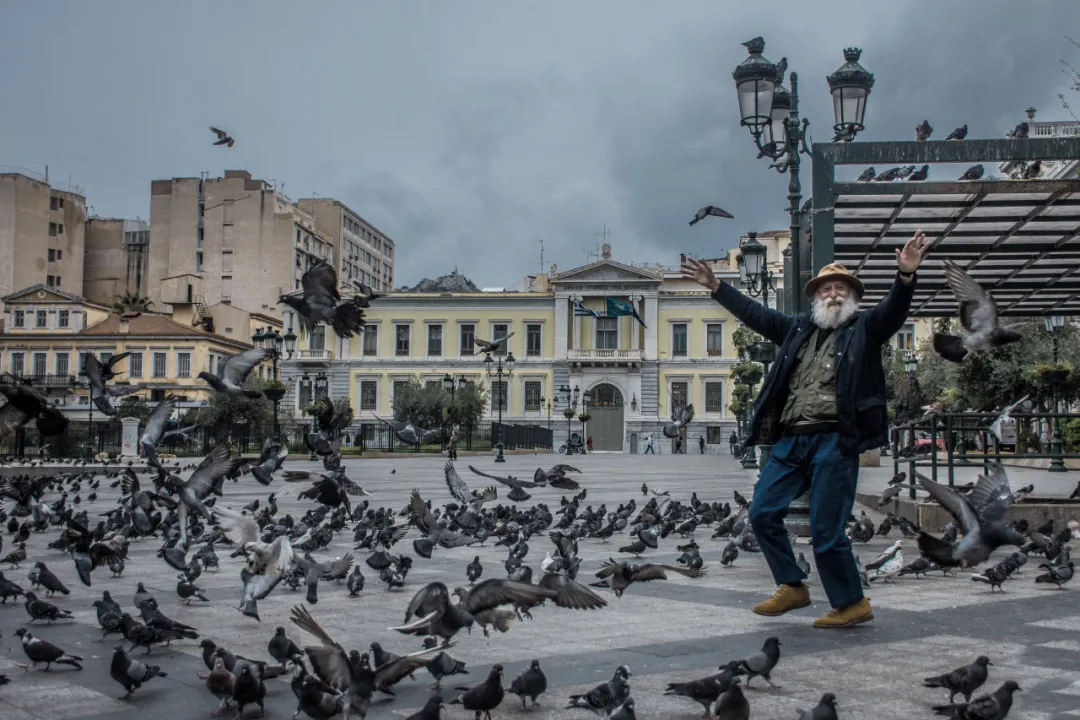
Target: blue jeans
x=814 y=463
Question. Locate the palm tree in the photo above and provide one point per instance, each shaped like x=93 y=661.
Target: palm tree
x=131 y=302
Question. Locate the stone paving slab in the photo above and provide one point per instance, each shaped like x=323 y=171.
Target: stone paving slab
x=665 y=631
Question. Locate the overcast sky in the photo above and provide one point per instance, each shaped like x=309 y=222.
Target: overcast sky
x=468 y=130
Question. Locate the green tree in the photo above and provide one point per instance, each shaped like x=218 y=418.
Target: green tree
x=133 y=406
x=429 y=406
x=131 y=302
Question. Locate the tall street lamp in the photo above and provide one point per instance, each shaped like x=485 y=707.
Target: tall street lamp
x=771 y=113
x=1054 y=325
x=451 y=387
x=319 y=387
x=911 y=365
x=571 y=399
x=272 y=341
x=497 y=370
x=545 y=403
x=586 y=400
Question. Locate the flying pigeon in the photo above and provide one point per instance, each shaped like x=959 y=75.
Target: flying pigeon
x=958 y=134
x=235 y=370
x=923 y=131
x=713 y=211
x=410 y=434
x=24 y=404
x=321 y=301
x=99 y=374
x=681 y=415
x=978 y=317
x=223 y=137
x=979 y=514
x=155 y=429
x=491 y=347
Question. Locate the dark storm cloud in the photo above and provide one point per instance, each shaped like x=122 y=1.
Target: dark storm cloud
x=468 y=130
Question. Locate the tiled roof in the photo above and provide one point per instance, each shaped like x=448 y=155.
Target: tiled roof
x=152 y=325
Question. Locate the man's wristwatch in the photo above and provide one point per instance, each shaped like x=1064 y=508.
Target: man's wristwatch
x=907 y=275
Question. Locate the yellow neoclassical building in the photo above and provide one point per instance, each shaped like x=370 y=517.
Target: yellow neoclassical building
x=46 y=331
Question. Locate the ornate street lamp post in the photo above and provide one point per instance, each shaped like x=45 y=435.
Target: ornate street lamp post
x=571 y=399
x=320 y=385
x=1054 y=324
x=771 y=113
x=272 y=341
x=586 y=400
x=497 y=370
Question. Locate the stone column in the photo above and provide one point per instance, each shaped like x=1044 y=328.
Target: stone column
x=651 y=330
x=562 y=306
x=576 y=341
x=129 y=448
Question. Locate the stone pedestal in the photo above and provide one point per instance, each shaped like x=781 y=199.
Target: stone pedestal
x=129 y=443
x=870 y=458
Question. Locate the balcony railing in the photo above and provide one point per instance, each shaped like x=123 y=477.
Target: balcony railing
x=314 y=355
x=53 y=381
x=604 y=354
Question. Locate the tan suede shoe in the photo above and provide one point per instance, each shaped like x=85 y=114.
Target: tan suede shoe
x=850 y=616
x=785 y=598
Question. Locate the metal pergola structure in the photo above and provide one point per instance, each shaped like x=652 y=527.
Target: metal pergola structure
x=1019 y=239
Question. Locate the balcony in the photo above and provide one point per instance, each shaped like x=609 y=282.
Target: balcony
x=53 y=381
x=604 y=358
x=314 y=355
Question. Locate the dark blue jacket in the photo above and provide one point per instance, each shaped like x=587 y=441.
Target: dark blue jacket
x=860 y=378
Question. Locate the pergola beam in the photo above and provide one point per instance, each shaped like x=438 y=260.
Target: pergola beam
x=948 y=151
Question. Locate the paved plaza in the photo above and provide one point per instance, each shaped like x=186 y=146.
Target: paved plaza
x=664 y=631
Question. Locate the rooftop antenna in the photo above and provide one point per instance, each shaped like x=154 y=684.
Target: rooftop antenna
x=541 y=241
x=605 y=233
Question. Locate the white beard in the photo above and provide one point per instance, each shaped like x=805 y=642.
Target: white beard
x=834 y=314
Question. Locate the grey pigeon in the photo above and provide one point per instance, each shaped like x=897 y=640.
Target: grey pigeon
x=867 y=175
x=531 y=683
x=762 y=662
x=155 y=432
x=824 y=710
x=681 y=415
x=920 y=174
x=963 y=681
x=410 y=434
x=973 y=173
x=958 y=134
x=606 y=696
x=43 y=651
x=978 y=317
x=321 y=302
x=803 y=564
x=1059 y=574
x=710 y=210
x=131 y=673
x=622 y=712
x=491 y=346
x=1020 y=132
x=486 y=696
x=234 y=371
x=732 y=704
x=1031 y=170
x=994 y=706
x=889 y=175
x=979 y=514
x=223 y=138
x=923 y=131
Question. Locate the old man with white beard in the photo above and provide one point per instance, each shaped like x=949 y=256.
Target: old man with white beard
x=822 y=404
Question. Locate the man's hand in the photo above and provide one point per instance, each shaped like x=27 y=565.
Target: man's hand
x=700 y=273
x=915 y=249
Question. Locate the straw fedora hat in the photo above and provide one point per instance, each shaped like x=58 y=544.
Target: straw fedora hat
x=834 y=271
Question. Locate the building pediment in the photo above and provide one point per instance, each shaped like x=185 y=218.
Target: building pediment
x=44 y=294
x=607 y=271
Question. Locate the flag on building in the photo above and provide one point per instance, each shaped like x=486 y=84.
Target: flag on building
x=580 y=309
x=617 y=308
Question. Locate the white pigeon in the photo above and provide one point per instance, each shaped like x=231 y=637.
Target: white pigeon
x=887 y=564
x=263 y=558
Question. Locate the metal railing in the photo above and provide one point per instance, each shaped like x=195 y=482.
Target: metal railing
x=919 y=443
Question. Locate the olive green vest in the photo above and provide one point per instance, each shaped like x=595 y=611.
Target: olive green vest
x=812 y=391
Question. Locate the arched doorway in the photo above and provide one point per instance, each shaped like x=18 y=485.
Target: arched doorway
x=606 y=425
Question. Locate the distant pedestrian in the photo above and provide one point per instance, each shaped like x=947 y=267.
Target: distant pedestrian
x=701 y=443
x=588 y=443
x=733 y=441
x=649 y=445
x=451 y=447
x=678 y=446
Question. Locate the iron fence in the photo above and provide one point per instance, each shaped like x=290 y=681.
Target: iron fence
x=381 y=438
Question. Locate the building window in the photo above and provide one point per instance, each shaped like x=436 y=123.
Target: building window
x=59 y=254
x=226 y=287
x=371 y=340
x=532 y=396
x=498 y=393
x=50 y=280
x=607 y=333
x=58 y=283
x=714 y=397
x=63 y=363
x=52 y=255
x=104 y=356
x=532 y=340
x=41 y=318
x=468 y=333
x=714 y=434
x=18 y=318
x=82 y=362
x=52 y=229
x=18 y=364
x=157 y=395
x=499 y=332
x=60 y=228
x=318 y=338
x=53 y=205
x=226 y=236
x=714 y=340
x=679 y=392
x=678 y=340
x=161 y=361
x=41 y=364
x=401 y=340
x=905 y=339
x=183 y=365
x=135 y=365
x=63 y=319
x=368 y=394
x=226 y=262
x=198 y=261
x=397 y=388
x=434 y=340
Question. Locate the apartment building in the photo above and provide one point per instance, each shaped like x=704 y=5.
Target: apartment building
x=361 y=252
